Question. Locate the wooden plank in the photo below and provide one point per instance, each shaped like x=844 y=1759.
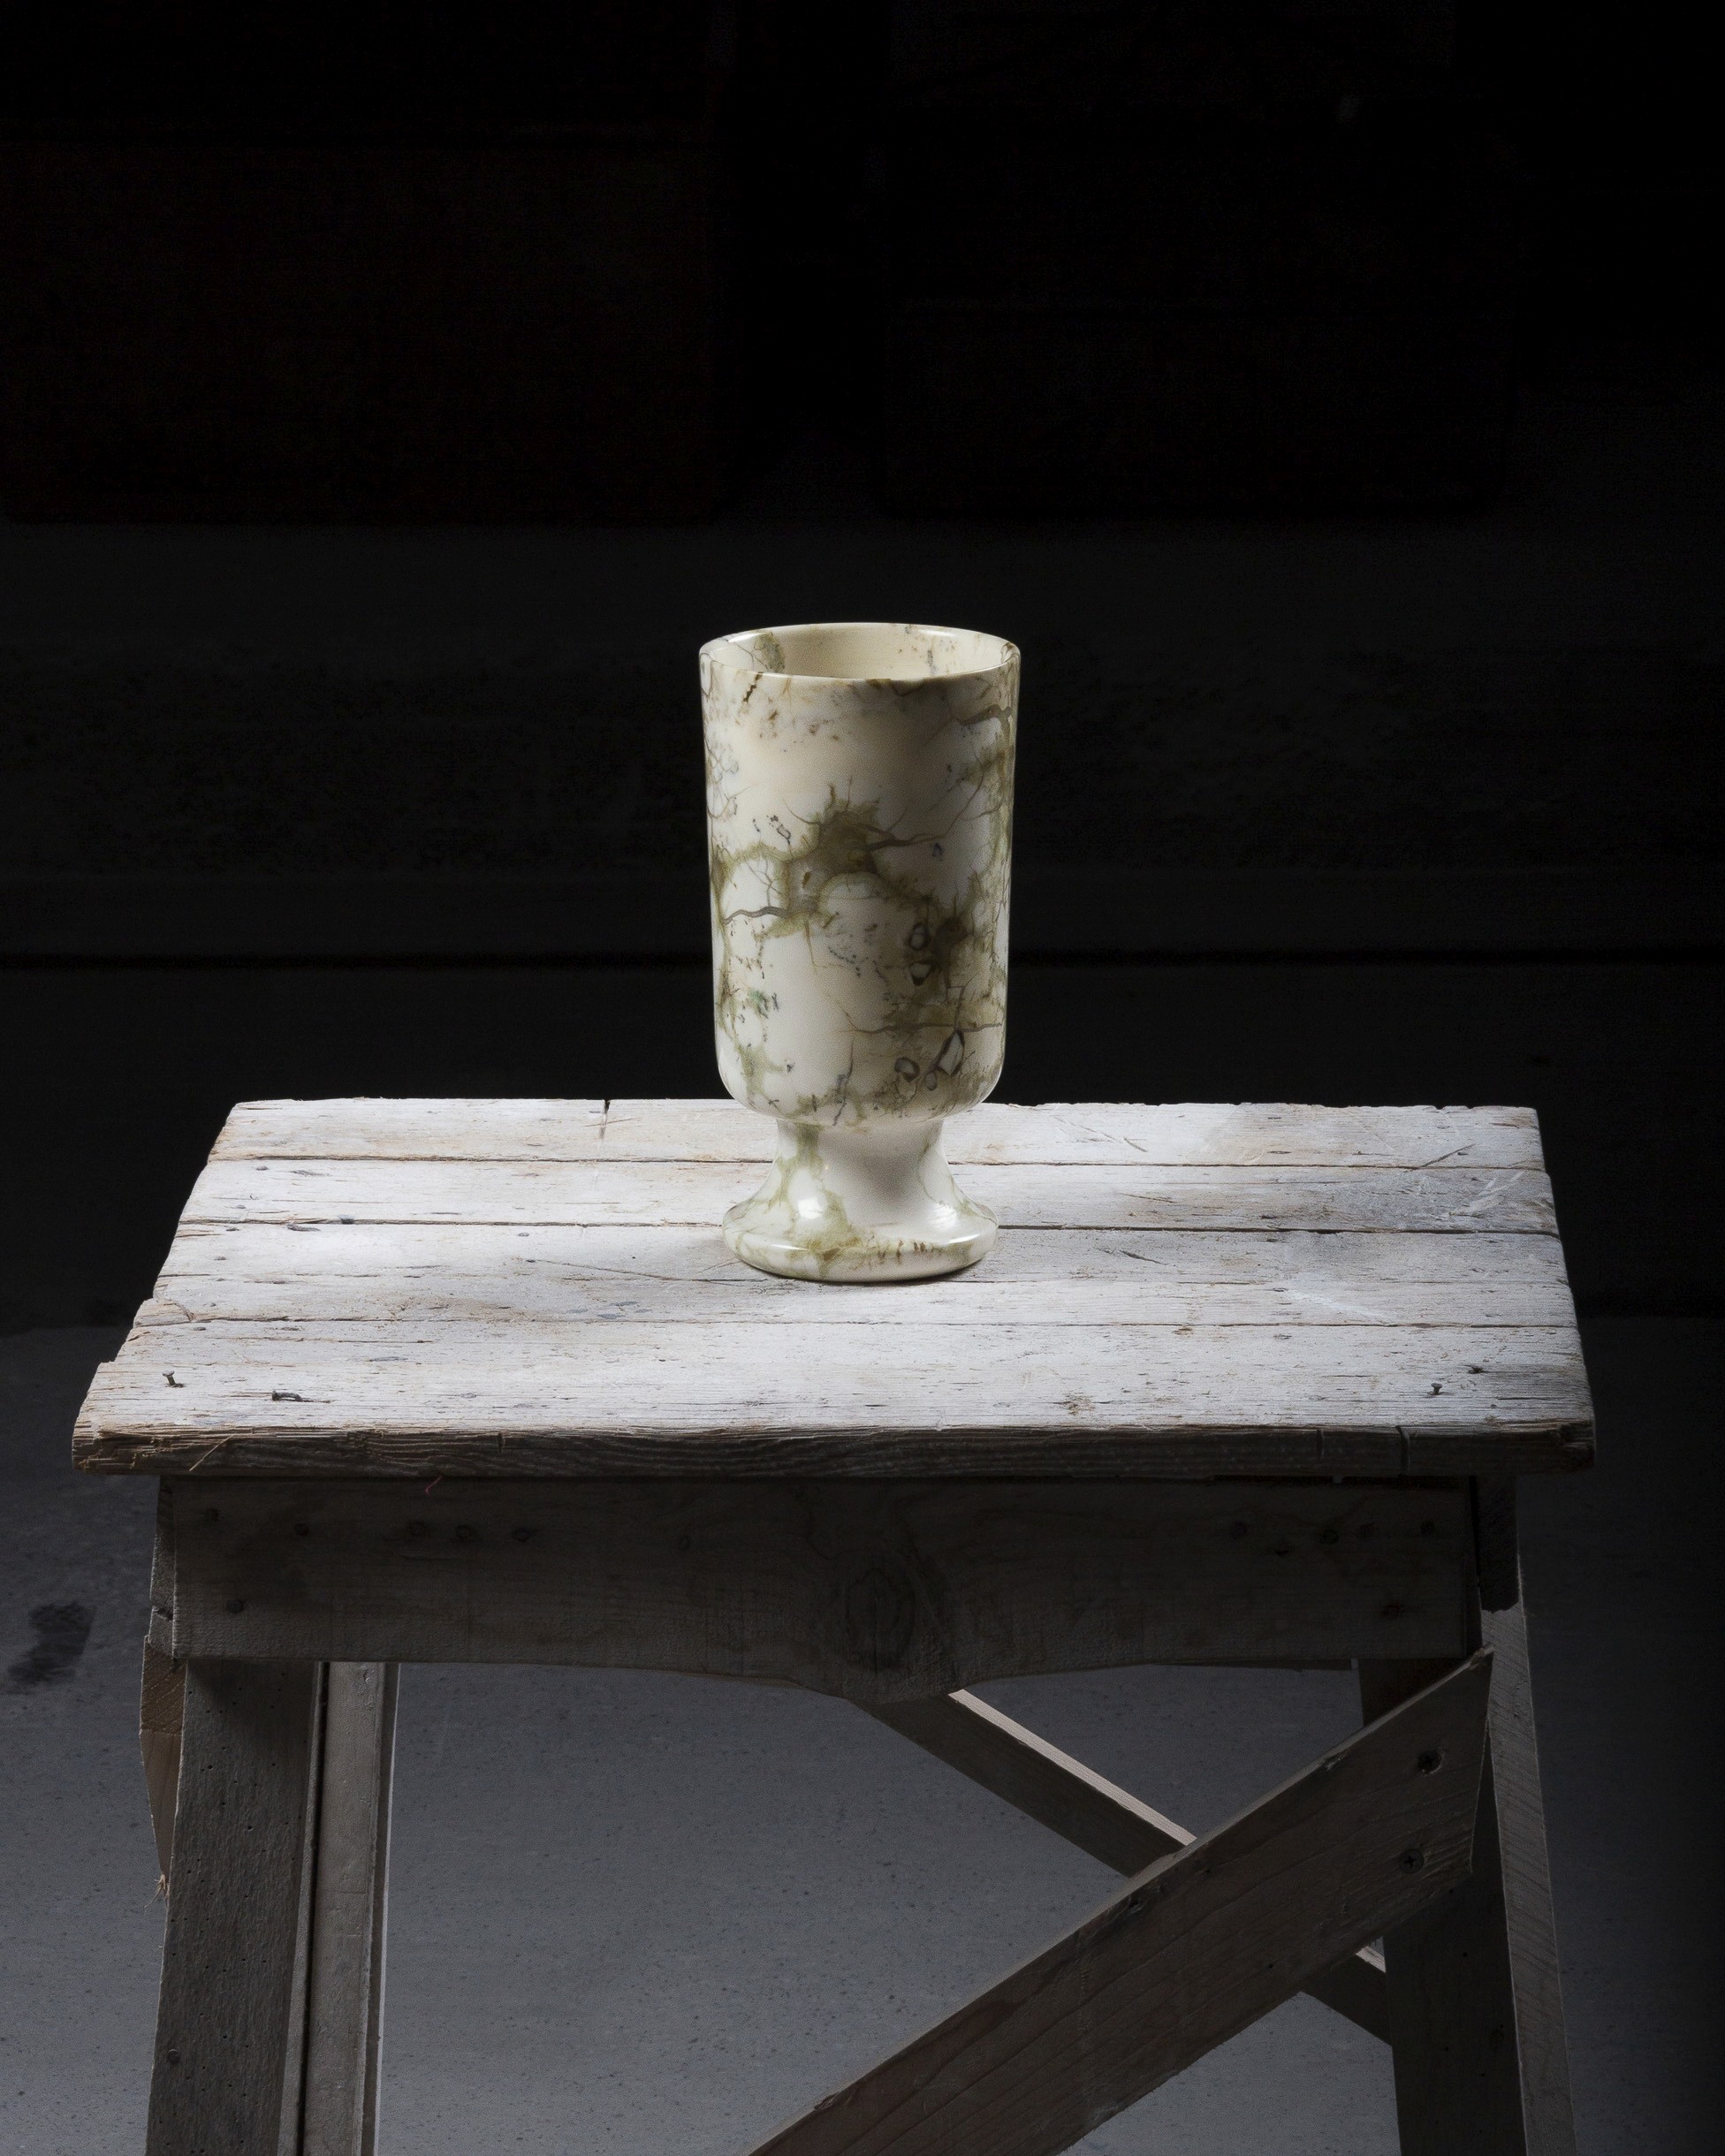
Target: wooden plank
x=1475 y=2002
x=225 y=2072
x=526 y=1315
x=1035 y=1777
x=684 y=1275
x=349 y=1906
x=113 y=1439
x=1497 y=1549
x=161 y=1631
x=1444 y=1200
x=566 y=1353
x=543 y=1453
x=1129 y=1133
x=161 y=1693
x=875 y=1590
x=1192 y=1951
x=1096 y=1815
x=626 y=1398
x=1235 y=1257
x=1524 y=1866
x=161 y=1719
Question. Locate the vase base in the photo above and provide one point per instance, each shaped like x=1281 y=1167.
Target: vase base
x=911 y=1253
x=841 y=1208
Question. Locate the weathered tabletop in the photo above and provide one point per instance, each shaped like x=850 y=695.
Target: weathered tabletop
x=532 y=1288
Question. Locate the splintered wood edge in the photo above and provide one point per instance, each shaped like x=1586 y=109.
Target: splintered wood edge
x=560 y=1455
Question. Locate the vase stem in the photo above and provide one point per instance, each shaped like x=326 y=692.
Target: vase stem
x=876 y=1203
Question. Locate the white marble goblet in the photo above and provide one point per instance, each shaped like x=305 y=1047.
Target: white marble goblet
x=858 y=807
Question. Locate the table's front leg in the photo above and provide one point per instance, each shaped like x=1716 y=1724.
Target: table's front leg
x=271 y=1974
x=1476 y=2016
x=231 y=1972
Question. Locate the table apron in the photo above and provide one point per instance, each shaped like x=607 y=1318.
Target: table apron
x=872 y=1591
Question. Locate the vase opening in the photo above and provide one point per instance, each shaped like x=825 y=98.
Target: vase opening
x=869 y=651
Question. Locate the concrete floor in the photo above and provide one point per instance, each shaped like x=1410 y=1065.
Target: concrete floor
x=637 y=1914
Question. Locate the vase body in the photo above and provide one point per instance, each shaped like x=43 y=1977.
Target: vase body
x=859 y=810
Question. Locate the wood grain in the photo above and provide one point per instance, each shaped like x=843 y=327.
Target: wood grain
x=1476 y=2008
x=1524 y=1863
x=162 y=1693
x=410 y=1271
x=618 y=1397
x=226 y=2066
x=1496 y=1541
x=1192 y=1951
x=1096 y=1815
x=540 y=1289
x=1247 y=1135
x=349 y=1907
x=875 y=1590
x=160 y=1722
x=1028 y=1194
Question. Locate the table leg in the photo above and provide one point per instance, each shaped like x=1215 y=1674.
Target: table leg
x=160 y=1712
x=271 y=2004
x=1476 y=2014
x=225 y=2073
x=349 y=1902
x=162 y=1697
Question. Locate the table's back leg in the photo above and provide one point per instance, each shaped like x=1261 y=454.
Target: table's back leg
x=1475 y=2010
x=161 y=1712
x=162 y=1695
x=349 y=1901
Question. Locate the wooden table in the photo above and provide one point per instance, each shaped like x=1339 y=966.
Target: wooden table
x=477 y=1381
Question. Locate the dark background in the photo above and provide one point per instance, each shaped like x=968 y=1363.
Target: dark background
x=1323 y=393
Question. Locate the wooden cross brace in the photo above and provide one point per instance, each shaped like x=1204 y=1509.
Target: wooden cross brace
x=1094 y=1815
x=1209 y=1938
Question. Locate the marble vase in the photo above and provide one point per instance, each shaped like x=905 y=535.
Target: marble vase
x=859 y=805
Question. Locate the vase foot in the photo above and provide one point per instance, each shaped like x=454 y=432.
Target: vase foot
x=840 y=1205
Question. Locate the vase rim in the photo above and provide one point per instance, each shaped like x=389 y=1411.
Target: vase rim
x=947 y=653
